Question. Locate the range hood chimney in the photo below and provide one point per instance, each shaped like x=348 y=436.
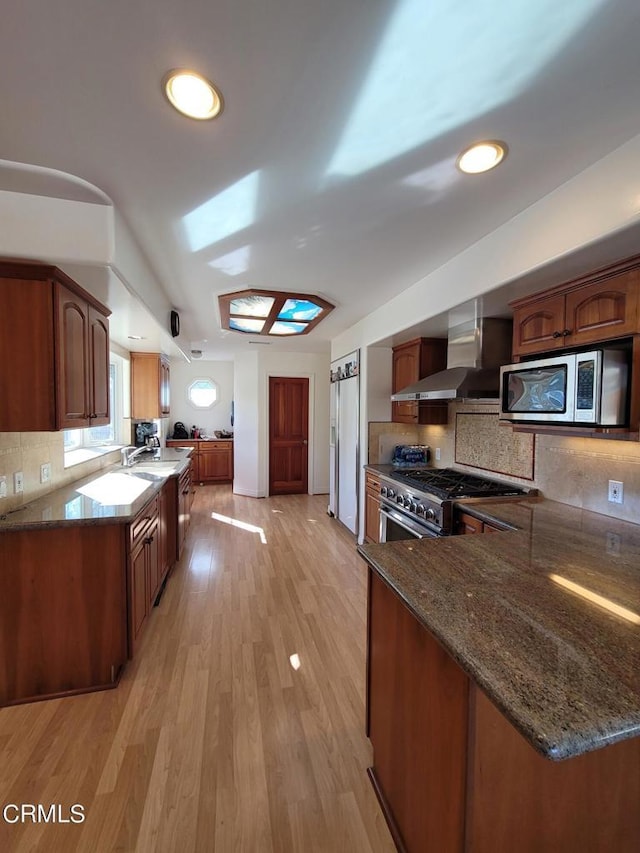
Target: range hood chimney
x=476 y=351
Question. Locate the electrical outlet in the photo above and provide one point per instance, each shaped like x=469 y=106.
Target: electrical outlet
x=45 y=472
x=616 y=491
x=3 y=487
x=437 y=454
x=17 y=483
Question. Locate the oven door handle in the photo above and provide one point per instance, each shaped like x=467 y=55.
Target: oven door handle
x=415 y=530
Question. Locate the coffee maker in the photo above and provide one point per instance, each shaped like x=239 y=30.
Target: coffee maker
x=145 y=434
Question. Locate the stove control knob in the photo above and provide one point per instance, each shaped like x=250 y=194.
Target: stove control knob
x=400 y=500
x=421 y=509
x=406 y=502
x=414 y=506
x=383 y=491
x=391 y=493
x=430 y=513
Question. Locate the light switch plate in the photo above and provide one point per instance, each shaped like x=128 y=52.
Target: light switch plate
x=17 y=482
x=45 y=472
x=3 y=487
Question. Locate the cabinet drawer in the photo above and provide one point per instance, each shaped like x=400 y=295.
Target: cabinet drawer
x=141 y=522
x=372 y=483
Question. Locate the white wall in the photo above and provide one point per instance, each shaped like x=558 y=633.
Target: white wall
x=248 y=426
x=251 y=445
x=601 y=200
x=182 y=375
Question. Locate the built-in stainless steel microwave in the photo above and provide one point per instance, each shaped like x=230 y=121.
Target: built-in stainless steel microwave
x=580 y=388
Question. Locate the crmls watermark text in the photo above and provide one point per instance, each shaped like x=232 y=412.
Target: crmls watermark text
x=37 y=813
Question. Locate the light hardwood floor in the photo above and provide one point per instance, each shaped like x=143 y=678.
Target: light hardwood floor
x=213 y=741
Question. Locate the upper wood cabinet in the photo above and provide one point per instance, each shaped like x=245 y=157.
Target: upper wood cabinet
x=150 y=385
x=54 y=351
x=595 y=308
x=412 y=361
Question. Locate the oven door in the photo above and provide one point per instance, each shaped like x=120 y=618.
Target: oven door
x=395 y=526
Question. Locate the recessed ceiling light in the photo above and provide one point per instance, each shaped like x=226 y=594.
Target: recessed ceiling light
x=192 y=94
x=481 y=157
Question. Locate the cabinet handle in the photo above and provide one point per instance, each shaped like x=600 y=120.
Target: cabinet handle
x=566 y=332
x=148 y=540
x=186 y=492
x=557 y=334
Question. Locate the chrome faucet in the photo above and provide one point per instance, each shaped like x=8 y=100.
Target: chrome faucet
x=128 y=454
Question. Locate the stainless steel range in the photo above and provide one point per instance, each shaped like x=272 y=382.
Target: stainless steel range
x=419 y=503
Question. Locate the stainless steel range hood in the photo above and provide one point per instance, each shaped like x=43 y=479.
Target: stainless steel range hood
x=475 y=353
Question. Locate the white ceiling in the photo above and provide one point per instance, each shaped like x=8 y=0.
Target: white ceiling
x=331 y=169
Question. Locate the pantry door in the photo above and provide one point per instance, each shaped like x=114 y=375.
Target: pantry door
x=288 y=435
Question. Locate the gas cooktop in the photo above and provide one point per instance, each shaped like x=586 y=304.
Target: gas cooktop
x=447 y=483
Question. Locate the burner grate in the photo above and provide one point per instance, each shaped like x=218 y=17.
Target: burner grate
x=449 y=483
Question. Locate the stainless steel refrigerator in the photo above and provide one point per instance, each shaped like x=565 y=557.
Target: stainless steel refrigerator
x=344 y=439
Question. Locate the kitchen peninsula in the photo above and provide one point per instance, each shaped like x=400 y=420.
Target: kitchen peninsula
x=503 y=695
x=80 y=570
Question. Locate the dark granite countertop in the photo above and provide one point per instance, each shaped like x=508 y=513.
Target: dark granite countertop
x=114 y=494
x=510 y=608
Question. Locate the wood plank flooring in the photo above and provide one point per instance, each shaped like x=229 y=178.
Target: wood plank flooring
x=213 y=741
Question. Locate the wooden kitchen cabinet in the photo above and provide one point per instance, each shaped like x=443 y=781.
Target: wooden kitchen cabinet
x=185 y=499
x=215 y=462
x=372 y=507
x=144 y=568
x=54 y=351
x=413 y=361
x=417 y=724
x=63 y=611
x=453 y=774
x=595 y=308
x=466 y=524
x=212 y=461
x=150 y=385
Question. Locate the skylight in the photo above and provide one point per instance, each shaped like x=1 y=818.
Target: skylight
x=270 y=312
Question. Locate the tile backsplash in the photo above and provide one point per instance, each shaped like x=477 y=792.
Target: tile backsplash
x=27 y=451
x=574 y=471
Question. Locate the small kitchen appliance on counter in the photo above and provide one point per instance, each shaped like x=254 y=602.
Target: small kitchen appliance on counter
x=145 y=434
x=410 y=456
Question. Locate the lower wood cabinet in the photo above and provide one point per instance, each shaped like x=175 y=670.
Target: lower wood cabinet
x=63 y=610
x=372 y=507
x=144 y=568
x=451 y=772
x=466 y=523
x=75 y=599
x=211 y=461
x=184 y=501
x=215 y=462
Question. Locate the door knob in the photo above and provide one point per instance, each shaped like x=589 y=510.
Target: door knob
x=304 y=441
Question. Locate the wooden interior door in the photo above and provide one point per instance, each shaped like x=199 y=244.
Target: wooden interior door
x=288 y=435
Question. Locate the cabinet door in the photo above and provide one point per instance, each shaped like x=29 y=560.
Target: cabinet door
x=417 y=724
x=372 y=518
x=146 y=385
x=539 y=326
x=215 y=463
x=98 y=367
x=165 y=387
x=406 y=366
x=72 y=359
x=139 y=597
x=152 y=546
x=603 y=310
